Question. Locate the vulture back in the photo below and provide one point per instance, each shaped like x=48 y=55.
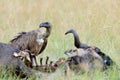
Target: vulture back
x=84 y=60
x=29 y=41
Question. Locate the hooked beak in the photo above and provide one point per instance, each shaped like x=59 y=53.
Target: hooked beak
x=70 y=31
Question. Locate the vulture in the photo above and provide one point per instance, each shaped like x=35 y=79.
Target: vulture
x=10 y=62
x=84 y=60
x=34 y=42
x=107 y=60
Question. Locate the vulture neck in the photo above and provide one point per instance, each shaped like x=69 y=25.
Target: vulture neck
x=76 y=40
x=48 y=31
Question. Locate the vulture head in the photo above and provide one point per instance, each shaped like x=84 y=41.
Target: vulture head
x=76 y=37
x=45 y=24
x=77 y=42
x=70 y=31
x=48 y=26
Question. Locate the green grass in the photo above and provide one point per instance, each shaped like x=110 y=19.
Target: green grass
x=97 y=22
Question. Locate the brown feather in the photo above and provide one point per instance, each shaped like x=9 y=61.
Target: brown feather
x=34 y=41
x=28 y=40
x=18 y=36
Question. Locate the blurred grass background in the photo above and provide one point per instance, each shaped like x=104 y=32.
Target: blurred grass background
x=97 y=22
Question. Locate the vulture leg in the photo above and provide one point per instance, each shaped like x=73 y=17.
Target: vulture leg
x=31 y=59
x=34 y=57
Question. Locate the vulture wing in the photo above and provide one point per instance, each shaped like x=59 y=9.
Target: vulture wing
x=31 y=41
x=20 y=41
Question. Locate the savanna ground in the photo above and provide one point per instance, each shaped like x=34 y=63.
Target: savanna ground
x=96 y=21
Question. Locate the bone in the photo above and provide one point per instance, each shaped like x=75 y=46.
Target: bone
x=41 y=59
x=47 y=60
x=15 y=54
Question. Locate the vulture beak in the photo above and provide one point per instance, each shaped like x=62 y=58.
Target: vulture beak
x=45 y=24
x=70 y=31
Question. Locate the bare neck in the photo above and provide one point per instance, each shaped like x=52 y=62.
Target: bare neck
x=76 y=40
x=48 y=31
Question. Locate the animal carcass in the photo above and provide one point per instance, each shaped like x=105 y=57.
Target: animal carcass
x=8 y=61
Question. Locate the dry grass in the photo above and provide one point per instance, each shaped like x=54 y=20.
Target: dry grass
x=97 y=22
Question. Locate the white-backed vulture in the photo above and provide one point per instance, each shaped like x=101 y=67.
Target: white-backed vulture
x=107 y=60
x=34 y=41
